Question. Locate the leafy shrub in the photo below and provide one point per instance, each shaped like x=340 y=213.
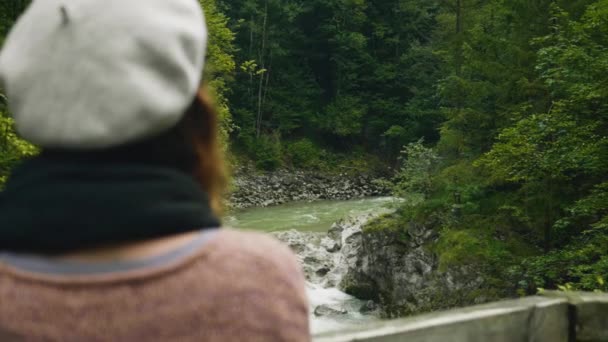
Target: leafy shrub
x=266 y=151
x=12 y=148
x=343 y=116
x=465 y=247
x=304 y=154
x=416 y=173
x=582 y=265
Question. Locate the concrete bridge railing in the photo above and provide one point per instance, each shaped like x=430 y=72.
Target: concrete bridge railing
x=552 y=317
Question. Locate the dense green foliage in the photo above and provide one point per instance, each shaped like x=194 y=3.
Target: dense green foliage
x=12 y=148
x=520 y=187
x=219 y=71
x=341 y=73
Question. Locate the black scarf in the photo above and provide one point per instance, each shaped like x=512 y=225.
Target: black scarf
x=56 y=205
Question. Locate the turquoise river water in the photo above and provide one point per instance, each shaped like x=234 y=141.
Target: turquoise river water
x=305 y=216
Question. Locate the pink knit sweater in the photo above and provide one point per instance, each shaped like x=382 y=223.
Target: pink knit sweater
x=238 y=286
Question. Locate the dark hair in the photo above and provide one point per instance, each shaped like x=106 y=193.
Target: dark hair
x=200 y=129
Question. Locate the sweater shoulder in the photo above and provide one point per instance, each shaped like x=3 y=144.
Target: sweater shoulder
x=259 y=248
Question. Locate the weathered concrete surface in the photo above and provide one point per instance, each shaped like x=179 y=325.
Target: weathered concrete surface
x=590 y=311
x=532 y=319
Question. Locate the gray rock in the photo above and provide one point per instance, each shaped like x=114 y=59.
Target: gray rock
x=316 y=261
x=323 y=271
x=330 y=244
x=326 y=310
x=369 y=307
x=360 y=285
x=401 y=272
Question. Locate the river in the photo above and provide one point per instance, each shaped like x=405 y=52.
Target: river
x=316 y=217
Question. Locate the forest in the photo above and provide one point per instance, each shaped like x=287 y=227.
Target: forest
x=494 y=114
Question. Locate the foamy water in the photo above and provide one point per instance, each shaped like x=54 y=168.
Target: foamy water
x=335 y=298
x=317 y=217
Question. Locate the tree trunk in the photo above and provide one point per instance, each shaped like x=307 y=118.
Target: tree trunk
x=258 y=121
x=459 y=16
x=261 y=83
x=268 y=71
x=250 y=57
x=251 y=37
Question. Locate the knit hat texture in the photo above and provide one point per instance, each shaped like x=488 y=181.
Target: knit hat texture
x=90 y=74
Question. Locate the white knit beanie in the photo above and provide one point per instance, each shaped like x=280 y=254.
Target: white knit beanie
x=87 y=74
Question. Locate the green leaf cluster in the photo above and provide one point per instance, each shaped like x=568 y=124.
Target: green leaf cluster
x=12 y=148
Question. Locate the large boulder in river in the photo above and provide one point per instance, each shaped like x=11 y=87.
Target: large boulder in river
x=398 y=269
x=360 y=285
x=296 y=240
x=347 y=233
x=327 y=257
x=313 y=255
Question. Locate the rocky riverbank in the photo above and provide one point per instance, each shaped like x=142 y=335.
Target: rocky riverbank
x=262 y=189
x=394 y=274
